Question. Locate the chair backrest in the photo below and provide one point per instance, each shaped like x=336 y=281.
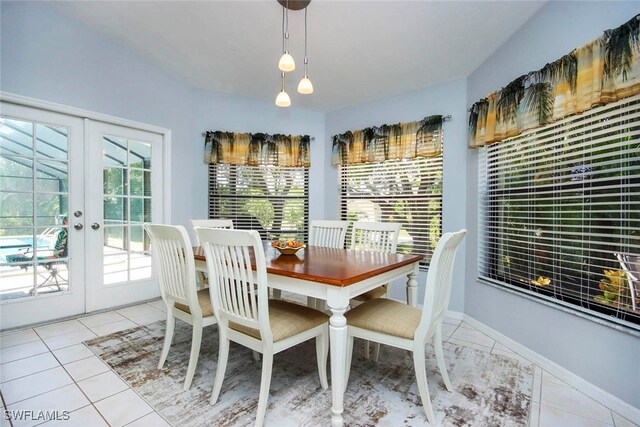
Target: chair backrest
x=211 y=223
x=173 y=260
x=375 y=236
x=329 y=234
x=232 y=281
x=439 y=281
x=631 y=266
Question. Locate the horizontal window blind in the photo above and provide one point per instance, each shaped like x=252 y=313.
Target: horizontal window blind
x=559 y=203
x=404 y=191
x=273 y=200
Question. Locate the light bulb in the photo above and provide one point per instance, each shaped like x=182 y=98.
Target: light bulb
x=305 y=87
x=283 y=100
x=287 y=63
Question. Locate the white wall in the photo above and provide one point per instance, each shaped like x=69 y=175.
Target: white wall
x=445 y=99
x=602 y=355
x=49 y=56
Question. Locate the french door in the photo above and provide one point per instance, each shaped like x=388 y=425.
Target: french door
x=75 y=193
x=42 y=244
x=126 y=195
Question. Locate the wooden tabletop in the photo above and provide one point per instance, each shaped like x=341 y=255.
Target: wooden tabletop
x=337 y=267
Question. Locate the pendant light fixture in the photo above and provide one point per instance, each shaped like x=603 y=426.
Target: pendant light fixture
x=286 y=63
x=305 y=87
x=283 y=100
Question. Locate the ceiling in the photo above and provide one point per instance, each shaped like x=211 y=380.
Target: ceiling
x=358 y=50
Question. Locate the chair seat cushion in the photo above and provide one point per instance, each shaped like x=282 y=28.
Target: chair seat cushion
x=205 y=304
x=375 y=293
x=385 y=316
x=286 y=319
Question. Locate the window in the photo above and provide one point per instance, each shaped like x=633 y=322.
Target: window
x=271 y=199
x=404 y=191
x=559 y=203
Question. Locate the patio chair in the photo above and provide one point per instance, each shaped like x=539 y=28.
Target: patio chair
x=246 y=315
x=400 y=325
x=173 y=258
x=631 y=266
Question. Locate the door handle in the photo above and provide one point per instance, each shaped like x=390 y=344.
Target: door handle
x=78 y=226
x=95 y=226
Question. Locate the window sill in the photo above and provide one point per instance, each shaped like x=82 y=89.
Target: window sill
x=618 y=325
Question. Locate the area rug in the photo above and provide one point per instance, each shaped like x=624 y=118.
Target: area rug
x=489 y=390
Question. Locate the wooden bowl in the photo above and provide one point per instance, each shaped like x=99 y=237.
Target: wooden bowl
x=288 y=251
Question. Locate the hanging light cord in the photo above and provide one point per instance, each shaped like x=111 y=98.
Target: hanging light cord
x=305 y=41
x=286 y=32
x=283 y=29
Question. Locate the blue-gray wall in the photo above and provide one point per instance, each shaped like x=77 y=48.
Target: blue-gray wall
x=600 y=354
x=49 y=56
x=445 y=99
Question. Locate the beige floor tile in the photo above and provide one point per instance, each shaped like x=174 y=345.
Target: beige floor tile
x=151 y=420
x=18 y=337
x=102 y=386
x=101 y=319
x=123 y=408
x=72 y=353
x=554 y=417
x=61 y=328
x=84 y=417
x=35 y=384
x=67 y=398
x=150 y=318
x=66 y=340
x=534 y=415
x=27 y=366
x=620 y=421
x=537 y=385
x=86 y=368
x=549 y=378
x=467 y=344
x=473 y=336
x=137 y=310
x=158 y=305
x=571 y=400
x=113 y=327
x=21 y=351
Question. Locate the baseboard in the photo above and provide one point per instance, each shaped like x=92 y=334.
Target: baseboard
x=605 y=398
x=457 y=315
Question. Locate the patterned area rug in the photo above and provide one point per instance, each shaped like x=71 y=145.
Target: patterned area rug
x=489 y=390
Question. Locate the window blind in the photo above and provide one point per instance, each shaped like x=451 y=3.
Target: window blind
x=274 y=200
x=559 y=203
x=404 y=191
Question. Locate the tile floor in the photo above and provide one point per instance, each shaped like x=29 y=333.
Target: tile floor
x=48 y=368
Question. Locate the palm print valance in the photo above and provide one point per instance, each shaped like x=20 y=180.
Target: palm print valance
x=602 y=71
x=256 y=149
x=398 y=141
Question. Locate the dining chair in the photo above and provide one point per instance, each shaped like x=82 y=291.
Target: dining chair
x=631 y=266
x=400 y=325
x=201 y=266
x=173 y=258
x=327 y=234
x=378 y=237
x=245 y=314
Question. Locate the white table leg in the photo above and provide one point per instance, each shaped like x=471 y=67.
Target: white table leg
x=338 y=301
x=412 y=287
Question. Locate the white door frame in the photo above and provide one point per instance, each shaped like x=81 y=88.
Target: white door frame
x=99 y=117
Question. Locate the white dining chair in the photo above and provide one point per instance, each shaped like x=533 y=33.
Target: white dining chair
x=246 y=315
x=173 y=260
x=201 y=266
x=377 y=237
x=327 y=234
x=400 y=325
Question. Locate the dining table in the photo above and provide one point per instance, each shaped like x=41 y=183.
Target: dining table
x=336 y=276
